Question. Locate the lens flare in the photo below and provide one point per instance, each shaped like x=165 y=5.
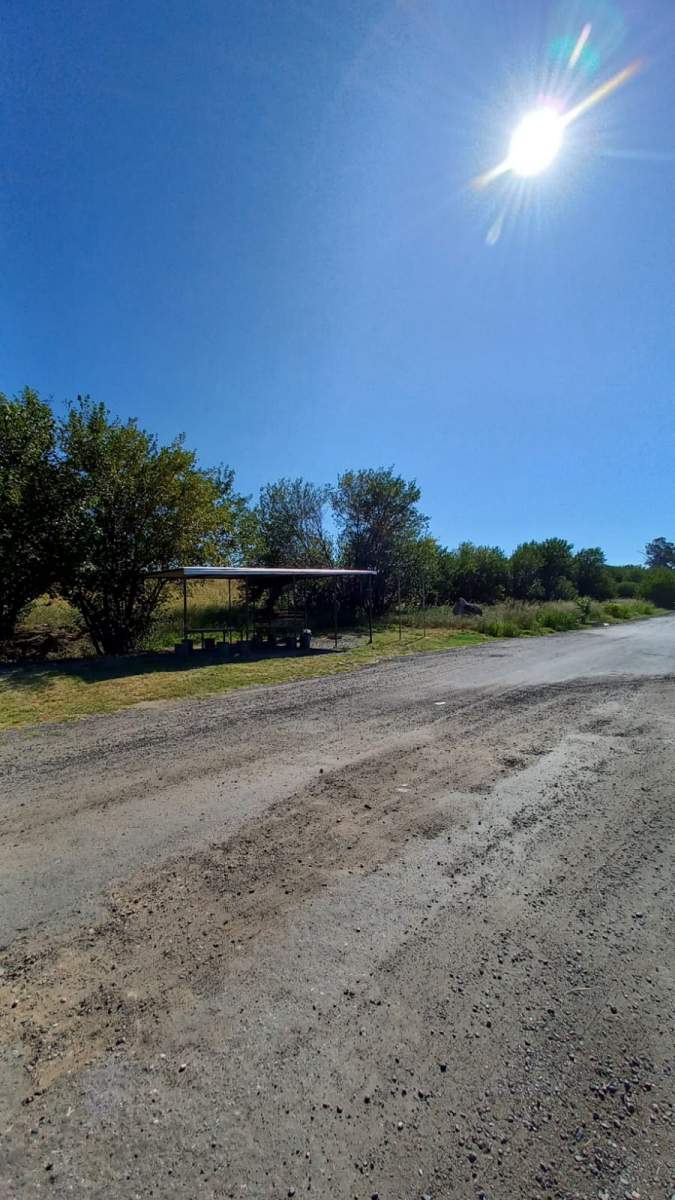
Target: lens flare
x=579 y=45
x=538 y=138
x=535 y=142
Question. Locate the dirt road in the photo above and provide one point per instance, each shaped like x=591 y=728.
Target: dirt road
x=405 y=933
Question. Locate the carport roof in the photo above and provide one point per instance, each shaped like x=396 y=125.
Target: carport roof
x=258 y=573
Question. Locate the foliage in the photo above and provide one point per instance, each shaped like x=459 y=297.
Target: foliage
x=515 y=618
x=658 y=586
x=590 y=574
x=378 y=524
x=525 y=572
x=33 y=509
x=290 y=528
x=660 y=553
x=627 y=589
x=630 y=573
x=234 y=538
x=543 y=570
x=479 y=573
x=585 y=607
x=140 y=507
x=556 y=568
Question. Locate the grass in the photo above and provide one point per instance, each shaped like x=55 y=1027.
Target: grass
x=57 y=691
x=515 y=619
x=62 y=691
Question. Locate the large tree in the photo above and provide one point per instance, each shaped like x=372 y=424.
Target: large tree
x=378 y=522
x=33 y=509
x=477 y=573
x=290 y=525
x=141 y=506
x=526 y=572
x=590 y=574
x=542 y=570
x=660 y=553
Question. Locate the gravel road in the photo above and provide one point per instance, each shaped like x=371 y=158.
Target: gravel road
x=404 y=933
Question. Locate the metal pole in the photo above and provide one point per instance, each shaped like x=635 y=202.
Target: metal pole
x=424 y=606
x=246 y=588
x=370 y=609
x=335 y=613
x=229 y=610
x=400 y=630
x=185 y=621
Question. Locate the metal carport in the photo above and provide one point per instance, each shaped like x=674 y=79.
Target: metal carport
x=263 y=574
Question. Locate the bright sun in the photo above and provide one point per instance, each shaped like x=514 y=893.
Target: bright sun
x=535 y=142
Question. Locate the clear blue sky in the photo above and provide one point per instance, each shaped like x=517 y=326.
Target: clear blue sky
x=250 y=220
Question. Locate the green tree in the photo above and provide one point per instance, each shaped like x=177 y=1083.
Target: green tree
x=477 y=573
x=141 y=507
x=290 y=525
x=543 y=570
x=658 y=586
x=626 y=574
x=556 y=568
x=33 y=508
x=526 y=564
x=378 y=521
x=660 y=553
x=419 y=570
x=590 y=574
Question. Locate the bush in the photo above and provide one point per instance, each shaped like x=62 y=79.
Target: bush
x=659 y=587
x=627 y=610
x=627 y=589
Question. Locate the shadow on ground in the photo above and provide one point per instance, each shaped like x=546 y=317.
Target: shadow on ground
x=95 y=670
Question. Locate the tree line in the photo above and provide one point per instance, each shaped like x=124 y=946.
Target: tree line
x=89 y=504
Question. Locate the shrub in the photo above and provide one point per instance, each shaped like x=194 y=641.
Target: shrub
x=558 y=616
x=627 y=610
x=659 y=587
x=627 y=589
x=585 y=607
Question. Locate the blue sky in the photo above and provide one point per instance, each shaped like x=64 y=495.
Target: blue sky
x=251 y=221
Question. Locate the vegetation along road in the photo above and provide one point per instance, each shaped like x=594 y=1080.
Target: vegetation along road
x=402 y=933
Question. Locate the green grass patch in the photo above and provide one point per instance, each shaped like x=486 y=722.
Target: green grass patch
x=62 y=691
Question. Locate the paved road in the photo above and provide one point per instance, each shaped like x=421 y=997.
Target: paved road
x=400 y=932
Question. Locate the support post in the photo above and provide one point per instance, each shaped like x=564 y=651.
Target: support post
x=229 y=610
x=335 y=613
x=424 y=606
x=400 y=628
x=246 y=591
x=185 y=620
x=370 y=609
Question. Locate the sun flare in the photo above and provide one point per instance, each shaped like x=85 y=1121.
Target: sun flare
x=535 y=142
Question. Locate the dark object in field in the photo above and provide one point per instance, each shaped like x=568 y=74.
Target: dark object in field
x=464 y=608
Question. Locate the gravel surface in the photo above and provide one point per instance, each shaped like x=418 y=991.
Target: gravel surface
x=405 y=933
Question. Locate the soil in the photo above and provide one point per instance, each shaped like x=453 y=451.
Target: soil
x=401 y=934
